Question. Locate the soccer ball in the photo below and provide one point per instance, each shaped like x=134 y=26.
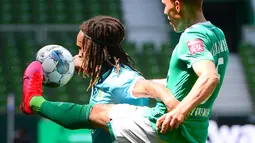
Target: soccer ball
x=57 y=63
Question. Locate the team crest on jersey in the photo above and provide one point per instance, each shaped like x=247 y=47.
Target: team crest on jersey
x=195 y=46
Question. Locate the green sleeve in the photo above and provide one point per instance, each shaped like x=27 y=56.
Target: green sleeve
x=194 y=47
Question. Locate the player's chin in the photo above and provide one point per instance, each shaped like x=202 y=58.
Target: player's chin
x=178 y=29
x=77 y=62
x=174 y=27
x=78 y=68
x=81 y=70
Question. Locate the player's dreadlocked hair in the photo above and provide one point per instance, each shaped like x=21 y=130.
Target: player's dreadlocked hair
x=102 y=46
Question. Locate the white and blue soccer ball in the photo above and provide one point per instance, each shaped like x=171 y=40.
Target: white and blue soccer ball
x=57 y=63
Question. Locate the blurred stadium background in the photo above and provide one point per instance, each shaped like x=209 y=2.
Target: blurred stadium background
x=27 y=25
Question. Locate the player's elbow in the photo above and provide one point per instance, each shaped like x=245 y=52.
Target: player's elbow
x=140 y=88
x=214 y=79
x=210 y=78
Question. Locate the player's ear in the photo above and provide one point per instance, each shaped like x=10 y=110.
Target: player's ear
x=177 y=4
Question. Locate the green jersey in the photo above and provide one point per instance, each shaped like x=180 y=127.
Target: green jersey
x=202 y=41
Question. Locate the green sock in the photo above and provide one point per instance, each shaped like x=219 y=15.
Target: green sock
x=68 y=115
x=36 y=103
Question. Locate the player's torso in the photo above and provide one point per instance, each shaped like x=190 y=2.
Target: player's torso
x=181 y=79
x=101 y=94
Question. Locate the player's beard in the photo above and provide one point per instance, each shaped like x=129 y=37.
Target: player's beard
x=177 y=26
x=174 y=27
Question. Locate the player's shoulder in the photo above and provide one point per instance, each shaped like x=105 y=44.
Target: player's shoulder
x=125 y=74
x=197 y=29
x=201 y=30
x=124 y=71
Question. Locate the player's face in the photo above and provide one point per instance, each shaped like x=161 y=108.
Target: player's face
x=173 y=12
x=78 y=57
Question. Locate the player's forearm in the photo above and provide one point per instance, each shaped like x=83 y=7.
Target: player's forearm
x=156 y=90
x=150 y=89
x=160 y=81
x=202 y=89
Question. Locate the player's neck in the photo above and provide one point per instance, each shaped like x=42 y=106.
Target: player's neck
x=194 y=18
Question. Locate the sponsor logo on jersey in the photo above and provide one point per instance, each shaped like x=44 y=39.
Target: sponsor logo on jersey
x=100 y=94
x=200 y=112
x=195 y=46
x=94 y=92
x=97 y=93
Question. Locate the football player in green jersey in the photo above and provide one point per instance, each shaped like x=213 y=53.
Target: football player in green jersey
x=197 y=69
x=196 y=72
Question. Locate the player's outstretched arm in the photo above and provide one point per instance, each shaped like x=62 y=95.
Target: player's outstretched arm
x=202 y=89
x=148 y=88
x=160 y=81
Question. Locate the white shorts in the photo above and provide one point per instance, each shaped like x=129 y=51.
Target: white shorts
x=128 y=124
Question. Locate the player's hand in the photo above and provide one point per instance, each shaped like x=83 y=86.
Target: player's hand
x=170 y=120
